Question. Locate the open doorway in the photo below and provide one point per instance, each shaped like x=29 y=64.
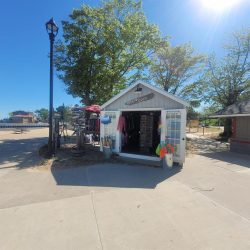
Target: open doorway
x=141 y=134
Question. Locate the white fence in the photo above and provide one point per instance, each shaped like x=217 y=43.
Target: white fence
x=26 y=125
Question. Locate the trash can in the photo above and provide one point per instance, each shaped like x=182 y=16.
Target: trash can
x=107 y=152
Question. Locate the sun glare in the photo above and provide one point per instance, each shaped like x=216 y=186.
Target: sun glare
x=219 y=5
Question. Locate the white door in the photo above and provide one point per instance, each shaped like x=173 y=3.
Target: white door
x=110 y=130
x=174 y=131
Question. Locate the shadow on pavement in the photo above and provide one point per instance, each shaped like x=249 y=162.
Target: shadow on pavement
x=242 y=160
x=203 y=145
x=217 y=150
x=21 y=153
x=113 y=175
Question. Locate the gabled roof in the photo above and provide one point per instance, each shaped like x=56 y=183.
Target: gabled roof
x=21 y=112
x=24 y=116
x=237 y=109
x=156 y=89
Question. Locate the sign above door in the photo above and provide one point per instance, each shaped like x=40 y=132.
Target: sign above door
x=140 y=99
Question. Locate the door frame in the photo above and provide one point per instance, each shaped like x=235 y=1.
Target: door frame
x=137 y=156
x=183 y=113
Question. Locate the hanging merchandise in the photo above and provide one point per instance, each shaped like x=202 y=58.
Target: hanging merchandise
x=97 y=125
x=121 y=124
x=146 y=131
x=160 y=126
x=157 y=151
x=105 y=119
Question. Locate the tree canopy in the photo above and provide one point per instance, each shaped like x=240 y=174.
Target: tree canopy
x=64 y=112
x=228 y=81
x=104 y=48
x=42 y=114
x=175 y=68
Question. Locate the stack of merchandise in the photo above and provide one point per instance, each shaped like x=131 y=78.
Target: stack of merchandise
x=146 y=132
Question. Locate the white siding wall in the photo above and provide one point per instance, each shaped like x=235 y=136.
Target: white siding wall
x=158 y=101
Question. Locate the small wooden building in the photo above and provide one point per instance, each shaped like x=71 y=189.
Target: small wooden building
x=142 y=117
x=240 y=115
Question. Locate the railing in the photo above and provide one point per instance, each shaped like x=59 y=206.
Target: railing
x=24 y=125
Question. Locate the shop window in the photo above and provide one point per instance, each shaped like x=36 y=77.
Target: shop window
x=173 y=130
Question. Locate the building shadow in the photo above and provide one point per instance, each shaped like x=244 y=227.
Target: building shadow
x=203 y=145
x=113 y=175
x=21 y=153
x=217 y=150
x=242 y=160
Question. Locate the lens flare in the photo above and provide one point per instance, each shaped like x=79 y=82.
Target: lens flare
x=219 y=5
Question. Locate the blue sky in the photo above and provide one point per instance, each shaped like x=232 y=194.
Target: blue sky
x=24 y=43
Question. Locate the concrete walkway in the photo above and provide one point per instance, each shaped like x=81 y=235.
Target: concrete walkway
x=205 y=205
x=131 y=208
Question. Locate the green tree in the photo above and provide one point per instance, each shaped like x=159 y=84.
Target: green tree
x=65 y=113
x=205 y=114
x=192 y=114
x=42 y=114
x=175 y=69
x=104 y=48
x=228 y=81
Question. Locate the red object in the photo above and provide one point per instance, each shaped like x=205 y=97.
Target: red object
x=240 y=141
x=171 y=148
x=166 y=150
x=163 y=151
x=121 y=124
x=93 y=108
x=97 y=126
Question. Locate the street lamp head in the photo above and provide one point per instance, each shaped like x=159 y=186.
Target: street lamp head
x=51 y=27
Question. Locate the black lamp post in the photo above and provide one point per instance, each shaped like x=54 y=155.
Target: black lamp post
x=52 y=30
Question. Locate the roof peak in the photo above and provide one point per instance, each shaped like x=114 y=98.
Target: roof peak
x=150 y=86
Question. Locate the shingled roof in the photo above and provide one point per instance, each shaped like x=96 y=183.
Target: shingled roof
x=237 y=109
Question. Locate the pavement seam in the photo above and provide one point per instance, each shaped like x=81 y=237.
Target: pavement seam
x=98 y=229
x=93 y=206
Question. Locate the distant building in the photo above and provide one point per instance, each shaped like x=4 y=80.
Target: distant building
x=22 y=117
x=240 y=115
